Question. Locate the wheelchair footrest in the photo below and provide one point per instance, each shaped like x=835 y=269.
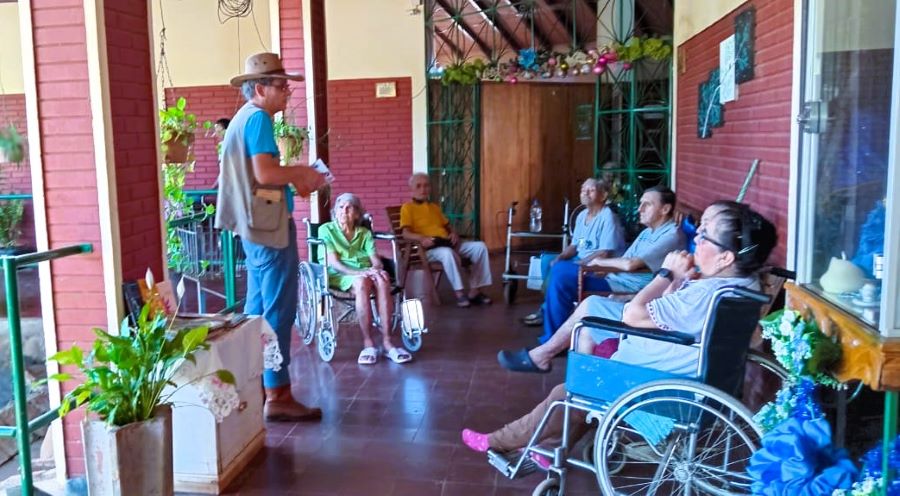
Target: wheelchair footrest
x=507 y=467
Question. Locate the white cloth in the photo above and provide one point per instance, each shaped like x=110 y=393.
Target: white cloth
x=243 y=351
x=474 y=251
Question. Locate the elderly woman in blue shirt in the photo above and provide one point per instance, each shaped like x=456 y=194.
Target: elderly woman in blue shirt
x=354 y=265
x=733 y=243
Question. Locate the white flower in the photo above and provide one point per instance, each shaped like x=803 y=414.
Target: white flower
x=789 y=316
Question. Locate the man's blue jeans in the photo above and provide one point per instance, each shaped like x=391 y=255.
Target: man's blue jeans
x=562 y=290
x=272 y=293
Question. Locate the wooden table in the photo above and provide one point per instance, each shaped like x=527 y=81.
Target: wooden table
x=866 y=356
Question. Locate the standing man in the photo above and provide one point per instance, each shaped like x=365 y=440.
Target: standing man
x=255 y=201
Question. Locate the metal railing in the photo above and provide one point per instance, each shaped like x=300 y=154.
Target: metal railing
x=24 y=427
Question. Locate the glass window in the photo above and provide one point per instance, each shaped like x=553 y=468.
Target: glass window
x=845 y=118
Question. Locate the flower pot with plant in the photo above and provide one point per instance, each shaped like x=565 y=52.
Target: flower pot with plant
x=290 y=139
x=12 y=148
x=176 y=130
x=123 y=380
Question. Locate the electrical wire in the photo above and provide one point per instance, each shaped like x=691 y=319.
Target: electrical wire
x=230 y=9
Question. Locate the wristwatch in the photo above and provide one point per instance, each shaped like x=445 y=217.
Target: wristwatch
x=665 y=273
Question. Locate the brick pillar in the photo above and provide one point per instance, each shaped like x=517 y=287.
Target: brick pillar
x=94 y=89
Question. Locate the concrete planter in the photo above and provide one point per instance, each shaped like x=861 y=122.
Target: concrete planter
x=130 y=460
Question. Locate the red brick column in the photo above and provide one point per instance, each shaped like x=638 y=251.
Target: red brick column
x=69 y=134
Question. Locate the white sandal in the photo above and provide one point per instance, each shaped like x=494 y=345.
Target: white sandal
x=398 y=355
x=368 y=356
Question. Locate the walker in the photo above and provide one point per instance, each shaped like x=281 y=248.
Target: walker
x=511 y=277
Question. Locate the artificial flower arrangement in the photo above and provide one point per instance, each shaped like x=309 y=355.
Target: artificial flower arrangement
x=797 y=456
x=806 y=354
x=531 y=64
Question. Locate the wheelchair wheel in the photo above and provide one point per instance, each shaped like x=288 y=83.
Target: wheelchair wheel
x=510 y=288
x=326 y=342
x=675 y=434
x=412 y=340
x=547 y=487
x=307 y=300
x=763 y=378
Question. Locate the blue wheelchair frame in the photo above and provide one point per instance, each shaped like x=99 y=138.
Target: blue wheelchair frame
x=604 y=388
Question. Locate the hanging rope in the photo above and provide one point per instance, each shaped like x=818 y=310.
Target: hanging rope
x=162 y=67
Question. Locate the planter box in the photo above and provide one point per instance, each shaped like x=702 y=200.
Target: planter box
x=129 y=460
x=208 y=455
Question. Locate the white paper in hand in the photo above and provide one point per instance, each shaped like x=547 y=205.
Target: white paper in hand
x=321 y=168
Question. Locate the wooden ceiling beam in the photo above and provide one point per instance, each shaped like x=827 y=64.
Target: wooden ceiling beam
x=448 y=42
x=460 y=23
x=559 y=20
x=497 y=22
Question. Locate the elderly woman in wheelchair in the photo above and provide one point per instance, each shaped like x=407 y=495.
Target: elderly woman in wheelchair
x=355 y=267
x=664 y=433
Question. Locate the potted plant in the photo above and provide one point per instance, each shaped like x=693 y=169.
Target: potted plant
x=290 y=139
x=176 y=130
x=11 y=145
x=11 y=213
x=127 y=435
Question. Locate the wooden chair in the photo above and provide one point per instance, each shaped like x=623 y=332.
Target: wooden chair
x=413 y=256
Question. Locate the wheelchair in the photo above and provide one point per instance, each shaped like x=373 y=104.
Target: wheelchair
x=658 y=433
x=321 y=309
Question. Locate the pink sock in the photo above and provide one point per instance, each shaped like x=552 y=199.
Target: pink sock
x=475 y=440
x=541 y=460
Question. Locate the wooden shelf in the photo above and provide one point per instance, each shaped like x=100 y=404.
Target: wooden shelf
x=867 y=356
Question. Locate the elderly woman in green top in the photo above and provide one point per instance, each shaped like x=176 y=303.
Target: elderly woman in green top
x=353 y=263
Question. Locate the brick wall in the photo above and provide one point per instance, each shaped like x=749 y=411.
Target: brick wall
x=131 y=108
x=757 y=125
x=370 y=141
x=208 y=103
x=16 y=178
x=70 y=183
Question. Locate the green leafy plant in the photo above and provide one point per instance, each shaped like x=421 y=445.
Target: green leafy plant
x=11 y=145
x=11 y=213
x=177 y=207
x=636 y=48
x=290 y=138
x=465 y=73
x=176 y=125
x=125 y=376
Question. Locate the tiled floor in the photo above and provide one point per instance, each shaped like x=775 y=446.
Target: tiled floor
x=394 y=430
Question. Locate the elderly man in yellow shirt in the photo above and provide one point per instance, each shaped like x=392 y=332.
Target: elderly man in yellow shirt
x=422 y=221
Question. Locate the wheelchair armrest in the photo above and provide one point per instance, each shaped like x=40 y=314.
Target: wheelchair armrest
x=779 y=272
x=315 y=242
x=386 y=236
x=644 y=332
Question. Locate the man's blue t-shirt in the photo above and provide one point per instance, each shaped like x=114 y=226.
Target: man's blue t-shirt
x=259 y=137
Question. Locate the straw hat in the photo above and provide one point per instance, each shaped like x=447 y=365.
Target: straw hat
x=264 y=65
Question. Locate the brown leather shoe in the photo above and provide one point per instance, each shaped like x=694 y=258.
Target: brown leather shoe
x=281 y=407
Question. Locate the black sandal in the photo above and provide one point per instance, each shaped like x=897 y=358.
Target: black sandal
x=519 y=361
x=480 y=299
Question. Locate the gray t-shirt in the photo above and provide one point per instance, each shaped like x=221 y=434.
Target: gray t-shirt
x=651 y=246
x=683 y=311
x=603 y=232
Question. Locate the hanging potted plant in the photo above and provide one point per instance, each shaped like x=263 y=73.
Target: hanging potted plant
x=12 y=148
x=290 y=139
x=176 y=130
x=127 y=435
